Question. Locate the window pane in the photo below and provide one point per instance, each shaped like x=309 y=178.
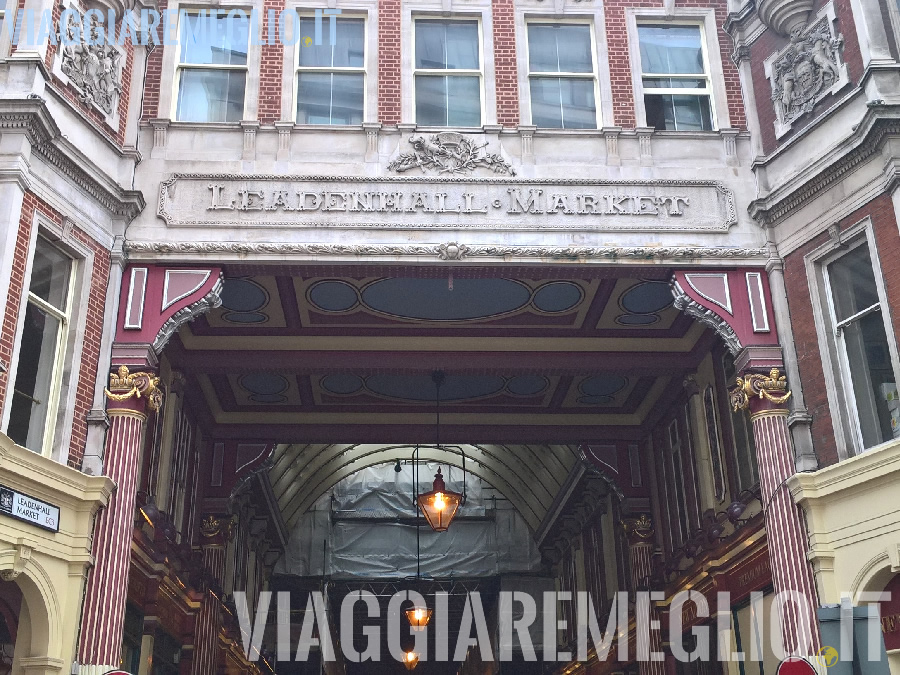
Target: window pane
x=870 y=367
x=671 y=49
x=214 y=40
x=559 y=48
x=211 y=96
x=329 y=98
x=50 y=274
x=563 y=103
x=678 y=113
x=448 y=101
x=447 y=44
x=674 y=83
x=852 y=280
x=31 y=394
x=347 y=52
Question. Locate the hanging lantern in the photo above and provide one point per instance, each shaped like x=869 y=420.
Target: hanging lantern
x=411 y=660
x=440 y=505
x=418 y=617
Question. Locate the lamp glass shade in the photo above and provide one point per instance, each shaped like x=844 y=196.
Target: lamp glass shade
x=418 y=617
x=410 y=660
x=439 y=506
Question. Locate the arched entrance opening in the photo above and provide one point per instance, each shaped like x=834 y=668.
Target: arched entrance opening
x=592 y=400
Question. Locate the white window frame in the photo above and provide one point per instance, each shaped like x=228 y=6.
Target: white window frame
x=479 y=19
x=252 y=65
x=706 y=20
x=297 y=68
x=838 y=378
x=576 y=21
x=63 y=388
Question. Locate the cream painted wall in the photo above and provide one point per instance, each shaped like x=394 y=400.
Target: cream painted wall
x=853 y=522
x=49 y=567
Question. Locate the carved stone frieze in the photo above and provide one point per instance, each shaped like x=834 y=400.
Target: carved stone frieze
x=807 y=70
x=93 y=66
x=574 y=253
x=449 y=152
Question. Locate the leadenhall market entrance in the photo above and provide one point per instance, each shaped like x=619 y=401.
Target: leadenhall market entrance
x=409 y=413
x=278 y=441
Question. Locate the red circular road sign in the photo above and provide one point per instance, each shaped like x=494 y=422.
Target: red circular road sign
x=796 y=665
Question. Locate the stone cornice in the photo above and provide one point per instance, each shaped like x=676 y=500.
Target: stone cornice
x=32 y=118
x=877 y=125
x=155 y=249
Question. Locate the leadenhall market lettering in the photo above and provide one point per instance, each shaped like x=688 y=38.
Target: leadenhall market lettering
x=444 y=203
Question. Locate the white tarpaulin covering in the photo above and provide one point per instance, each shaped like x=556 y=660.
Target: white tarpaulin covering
x=349 y=531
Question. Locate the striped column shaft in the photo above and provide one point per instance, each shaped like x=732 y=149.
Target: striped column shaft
x=640 y=555
x=785 y=530
x=206 y=635
x=103 y=615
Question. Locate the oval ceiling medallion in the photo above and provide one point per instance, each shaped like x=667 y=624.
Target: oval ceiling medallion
x=647 y=297
x=333 y=296
x=433 y=300
x=601 y=388
x=241 y=300
x=342 y=384
x=557 y=296
x=265 y=387
x=526 y=385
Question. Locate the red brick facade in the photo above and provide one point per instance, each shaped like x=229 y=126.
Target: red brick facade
x=93 y=332
x=271 y=67
x=153 y=77
x=506 y=75
x=809 y=358
x=390 y=43
x=620 y=60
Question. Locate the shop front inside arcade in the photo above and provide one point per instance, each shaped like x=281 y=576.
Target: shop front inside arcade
x=281 y=419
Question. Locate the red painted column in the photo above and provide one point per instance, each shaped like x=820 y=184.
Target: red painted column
x=206 y=633
x=131 y=396
x=640 y=553
x=765 y=396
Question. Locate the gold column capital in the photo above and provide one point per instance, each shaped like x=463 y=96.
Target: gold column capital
x=638 y=530
x=771 y=388
x=124 y=385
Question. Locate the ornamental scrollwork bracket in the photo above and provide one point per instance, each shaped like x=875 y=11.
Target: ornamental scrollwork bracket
x=771 y=387
x=124 y=385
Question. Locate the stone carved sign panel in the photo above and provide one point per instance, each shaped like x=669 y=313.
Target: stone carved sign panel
x=445 y=203
x=807 y=70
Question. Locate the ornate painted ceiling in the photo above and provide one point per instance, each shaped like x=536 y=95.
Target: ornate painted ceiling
x=326 y=353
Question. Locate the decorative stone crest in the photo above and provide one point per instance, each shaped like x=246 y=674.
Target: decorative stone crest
x=95 y=70
x=449 y=152
x=123 y=385
x=771 y=387
x=806 y=71
x=452 y=251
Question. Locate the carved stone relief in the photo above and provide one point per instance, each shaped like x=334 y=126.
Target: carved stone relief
x=95 y=70
x=807 y=70
x=451 y=153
